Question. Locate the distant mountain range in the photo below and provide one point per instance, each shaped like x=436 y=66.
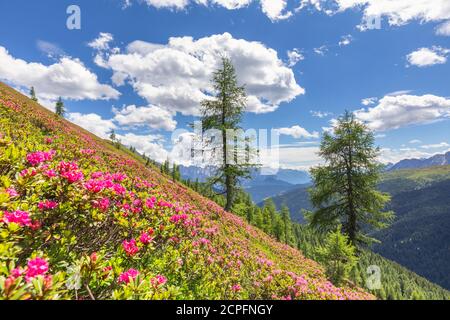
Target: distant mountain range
x=260 y=186
x=437 y=160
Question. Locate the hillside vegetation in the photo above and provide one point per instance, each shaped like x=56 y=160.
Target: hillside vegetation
x=82 y=219
x=418 y=238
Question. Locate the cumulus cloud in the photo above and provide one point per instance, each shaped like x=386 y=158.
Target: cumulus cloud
x=68 y=78
x=151 y=145
x=177 y=76
x=294 y=56
x=274 y=9
x=93 y=123
x=397 y=12
x=393 y=112
x=425 y=57
x=300 y=158
x=151 y=116
x=298 y=132
x=443 y=29
x=102 y=41
x=369 y=101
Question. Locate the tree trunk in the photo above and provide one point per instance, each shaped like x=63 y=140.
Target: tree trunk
x=351 y=224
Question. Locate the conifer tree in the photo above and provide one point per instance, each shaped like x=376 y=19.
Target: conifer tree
x=338 y=256
x=60 y=109
x=33 y=94
x=345 y=187
x=224 y=113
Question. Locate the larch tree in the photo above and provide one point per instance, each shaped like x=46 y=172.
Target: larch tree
x=59 y=108
x=224 y=113
x=33 y=94
x=345 y=187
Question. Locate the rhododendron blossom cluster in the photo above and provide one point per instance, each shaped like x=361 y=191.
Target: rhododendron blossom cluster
x=39 y=157
x=21 y=218
x=128 y=276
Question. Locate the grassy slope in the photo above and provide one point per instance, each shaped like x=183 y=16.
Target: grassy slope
x=238 y=260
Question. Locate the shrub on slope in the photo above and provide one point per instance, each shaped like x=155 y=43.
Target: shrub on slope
x=80 y=219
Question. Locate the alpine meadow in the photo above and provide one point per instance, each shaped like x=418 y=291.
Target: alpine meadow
x=222 y=156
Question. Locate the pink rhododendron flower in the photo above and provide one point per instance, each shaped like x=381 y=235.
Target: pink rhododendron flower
x=70 y=171
x=236 y=288
x=145 y=238
x=48 y=140
x=119 y=189
x=21 y=218
x=12 y=192
x=50 y=173
x=130 y=247
x=16 y=272
x=127 y=276
x=28 y=173
x=38 y=157
x=47 y=205
x=150 y=203
x=87 y=151
x=36 y=267
x=102 y=204
x=158 y=280
x=94 y=186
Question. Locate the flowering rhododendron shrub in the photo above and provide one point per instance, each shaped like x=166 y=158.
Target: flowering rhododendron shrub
x=80 y=219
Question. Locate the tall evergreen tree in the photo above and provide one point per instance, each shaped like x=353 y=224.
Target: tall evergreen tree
x=33 y=94
x=224 y=113
x=60 y=109
x=287 y=224
x=112 y=135
x=344 y=189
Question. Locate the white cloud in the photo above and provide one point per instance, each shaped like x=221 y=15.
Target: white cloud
x=298 y=132
x=435 y=146
x=389 y=155
x=345 y=40
x=152 y=116
x=151 y=145
x=68 y=78
x=274 y=9
x=399 y=93
x=301 y=158
x=320 y=114
x=443 y=29
x=398 y=12
x=321 y=51
x=425 y=57
x=393 y=112
x=93 y=123
x=52 y=50
x=102 y=41
x=415 y=141
x=369 y=101
x=177 y=76
x=294 y=56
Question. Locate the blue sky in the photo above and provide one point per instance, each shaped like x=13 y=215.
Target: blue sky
x=402 y=67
